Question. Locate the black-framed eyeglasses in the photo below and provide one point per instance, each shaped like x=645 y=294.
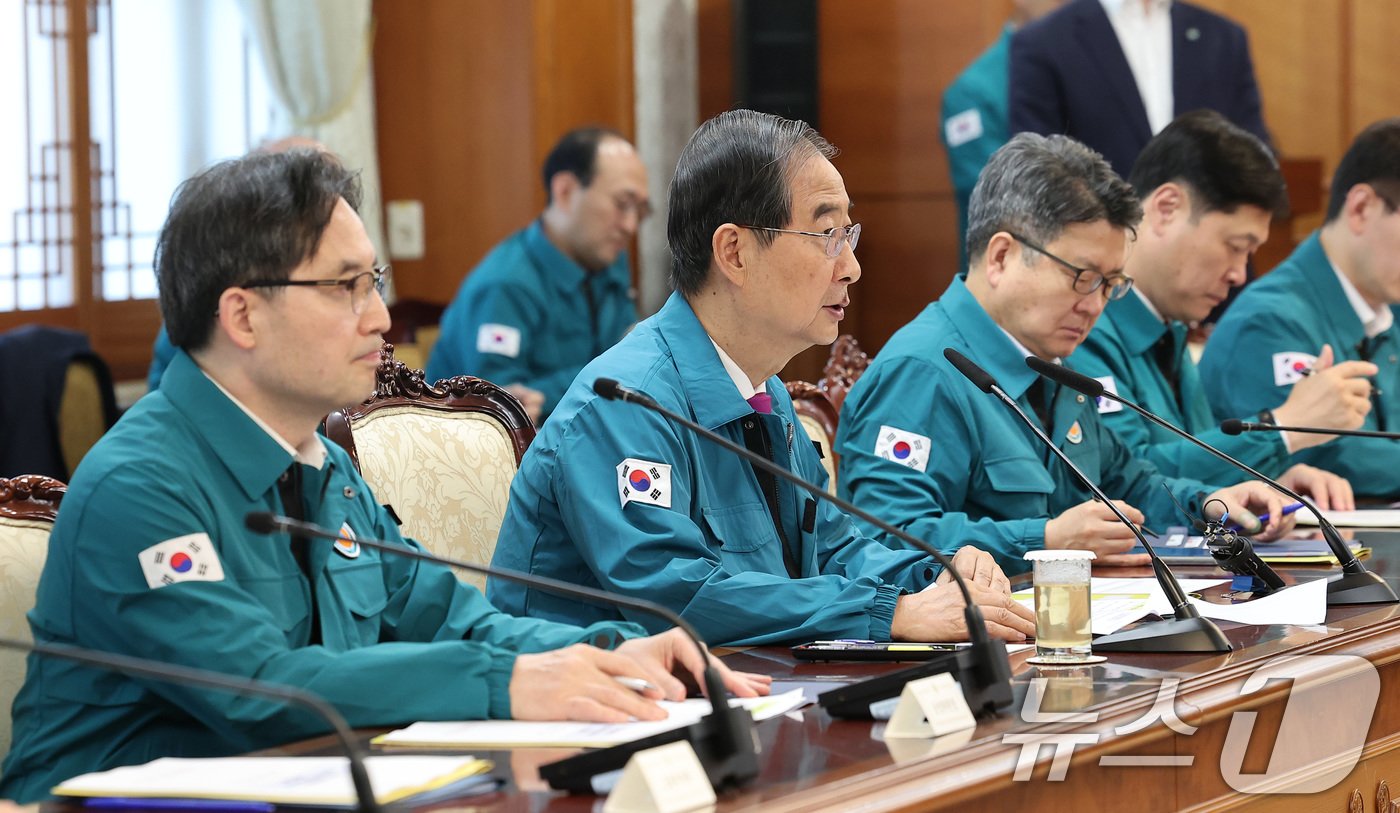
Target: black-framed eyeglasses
x=835 y=238
x=1086 y=280
x=358 y=286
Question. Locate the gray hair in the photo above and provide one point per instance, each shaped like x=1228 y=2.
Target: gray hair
x=1036 y=186
x=736 y=168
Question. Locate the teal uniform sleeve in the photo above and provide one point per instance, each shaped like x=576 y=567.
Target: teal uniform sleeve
x=726 y=578
x=910 y=395
x=1237 y=371
x=240 y=626
x=1173 y=456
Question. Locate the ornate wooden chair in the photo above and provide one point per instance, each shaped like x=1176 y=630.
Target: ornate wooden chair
x=441 y=455
x=28 y=506
x=818 y=406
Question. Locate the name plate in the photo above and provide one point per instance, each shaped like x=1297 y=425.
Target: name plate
x=666 y=779
x=930 y=707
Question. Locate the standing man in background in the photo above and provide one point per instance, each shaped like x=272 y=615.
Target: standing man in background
x=559 y=292
x=973 y=116
x=1113 y=73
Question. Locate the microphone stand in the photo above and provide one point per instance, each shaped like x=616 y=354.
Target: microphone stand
x=1235 y=426
x=1188 y=631
x=1354 y=585
x=983 y=671
x=725 y=740
x=174 y=673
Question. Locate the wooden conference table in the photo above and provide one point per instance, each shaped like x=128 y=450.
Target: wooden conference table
x=821 y=764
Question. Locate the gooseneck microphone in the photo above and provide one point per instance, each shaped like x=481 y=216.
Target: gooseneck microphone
x=725 y=741
x=983 y=671
x=1188 y=631
x=1235 y=426
x=1354 y=585
x=174 y=673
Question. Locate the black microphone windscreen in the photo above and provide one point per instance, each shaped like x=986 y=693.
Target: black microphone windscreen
x=261 y=522
x=1064 y=376
x=978 y=376
x=1233 y=426
x=606 y=387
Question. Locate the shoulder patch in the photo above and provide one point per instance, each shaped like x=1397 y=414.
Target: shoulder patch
x=500 y=340
x=1107 y=405
x=962 y=128
x=644 y=481
x=189 y=558
x=1289 y=368
x=903 y=447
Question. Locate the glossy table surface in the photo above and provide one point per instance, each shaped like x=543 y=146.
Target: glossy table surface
x=813 y=762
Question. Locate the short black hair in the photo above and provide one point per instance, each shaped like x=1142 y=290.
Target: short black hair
x=1036 y=186
x=1373 y=159
x=1223 y=166
x=577 y=154
x=736 y=168
x=259 y=216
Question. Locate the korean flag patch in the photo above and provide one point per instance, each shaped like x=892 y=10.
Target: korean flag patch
x=644 y=481
x=1289 y=368
x=962 y=128
x=500 y=340
x=188 y=558
x=1107 y=405
x=346 y=545
x=904 y=448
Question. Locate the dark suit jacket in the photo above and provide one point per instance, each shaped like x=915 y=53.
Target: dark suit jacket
x=1069 y=75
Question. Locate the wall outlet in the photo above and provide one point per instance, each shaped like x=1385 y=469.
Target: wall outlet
x=405 y=220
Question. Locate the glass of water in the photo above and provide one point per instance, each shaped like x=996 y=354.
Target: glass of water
x=1062 y=616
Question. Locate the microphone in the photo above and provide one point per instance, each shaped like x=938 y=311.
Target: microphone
x=1188 y=631
x=725 y=740
x=1354 y=585
x=174 y=673
x=982 y=670
x=1235 y=426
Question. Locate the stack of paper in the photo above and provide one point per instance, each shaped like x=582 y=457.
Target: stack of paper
x=531 y=734
x=301 y=781
x=1377 y=518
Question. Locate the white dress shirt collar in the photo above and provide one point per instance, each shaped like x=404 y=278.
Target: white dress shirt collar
x=740 y=378
x=312 y=453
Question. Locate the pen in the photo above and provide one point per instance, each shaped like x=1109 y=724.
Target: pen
x=148 y=803
x=1264 y=518
x=1148 y=531
x=637 y=684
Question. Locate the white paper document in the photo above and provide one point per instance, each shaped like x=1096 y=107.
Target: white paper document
x=319 y=781
x=528 y=733
x=1115 y=603
x=1379 y=518
x=1304 y=603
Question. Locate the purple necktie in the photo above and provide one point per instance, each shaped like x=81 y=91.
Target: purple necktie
x=762 y=402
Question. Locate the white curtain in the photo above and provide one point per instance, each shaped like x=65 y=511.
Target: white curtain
x=317 y=56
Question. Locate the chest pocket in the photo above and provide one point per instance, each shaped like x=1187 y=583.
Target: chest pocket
x=743 y=528
x=360 y=588
x=1013 y=475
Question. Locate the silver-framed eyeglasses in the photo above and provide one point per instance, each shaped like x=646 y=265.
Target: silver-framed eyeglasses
x=1086 y=280
x=835 y=238
x=358 y=286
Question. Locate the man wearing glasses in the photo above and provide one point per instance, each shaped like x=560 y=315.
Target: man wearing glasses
x=1208 y=190
x=1339 y=288
x=616 y=496
x=1048 y=234
x=268 y=286
x=559 y=292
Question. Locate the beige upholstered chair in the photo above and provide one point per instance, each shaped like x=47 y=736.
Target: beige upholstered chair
x=28 y=505
x=442 y=456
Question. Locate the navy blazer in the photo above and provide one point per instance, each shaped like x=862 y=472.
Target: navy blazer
x=1069 y=75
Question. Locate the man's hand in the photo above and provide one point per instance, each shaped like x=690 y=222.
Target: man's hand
x=532 y=400
x=1330 y=491
x=1259 y=498
x=671 y=650
x=576 y=683
x=1093 y=526
x=1333 y=396
x=936 y=613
